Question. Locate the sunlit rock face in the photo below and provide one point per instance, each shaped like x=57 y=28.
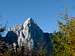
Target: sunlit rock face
x=31 y=35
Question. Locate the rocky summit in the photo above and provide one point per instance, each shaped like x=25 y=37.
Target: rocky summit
x=30 y=35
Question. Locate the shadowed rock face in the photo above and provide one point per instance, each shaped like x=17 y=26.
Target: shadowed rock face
x=33 y=35
x=48 y=44
x=11 y=37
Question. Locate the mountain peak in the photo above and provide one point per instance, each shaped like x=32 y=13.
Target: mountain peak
x=28 y=21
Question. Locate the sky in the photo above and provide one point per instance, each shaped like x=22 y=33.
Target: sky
x=45 y=13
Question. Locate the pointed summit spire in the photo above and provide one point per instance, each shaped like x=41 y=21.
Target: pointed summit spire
x=28 y=21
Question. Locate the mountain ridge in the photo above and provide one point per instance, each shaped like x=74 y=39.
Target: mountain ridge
x=29 y=34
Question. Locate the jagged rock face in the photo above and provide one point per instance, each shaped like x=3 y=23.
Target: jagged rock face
x=11 y=37
x=31 y=35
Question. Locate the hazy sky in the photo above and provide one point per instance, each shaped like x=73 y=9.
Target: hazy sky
x=44 y=12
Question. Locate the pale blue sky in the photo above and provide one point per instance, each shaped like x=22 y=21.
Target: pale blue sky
x=44 y=12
